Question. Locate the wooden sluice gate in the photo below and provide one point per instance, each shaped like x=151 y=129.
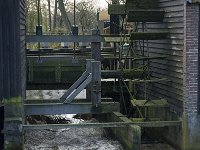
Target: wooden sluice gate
x=125 y=71
x=103 y=73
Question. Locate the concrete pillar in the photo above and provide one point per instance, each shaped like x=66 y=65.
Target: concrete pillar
x=191 y=117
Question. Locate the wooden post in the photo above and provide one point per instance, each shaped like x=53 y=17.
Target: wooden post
x=88 y=89
x=96 y=83
x=96 y=71
x=96 y=47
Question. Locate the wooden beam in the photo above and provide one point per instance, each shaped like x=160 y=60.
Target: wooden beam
x=129 y=73
x=145 y=16
x=150 y=124
x=73 y=108
x=148 y=35
x=150 y=103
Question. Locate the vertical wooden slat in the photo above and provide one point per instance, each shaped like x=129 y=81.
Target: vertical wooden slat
x=96 y=83
x=13 y=49
x=1 y=56
x=6 y=50
x=1 y=81
x=22 y=47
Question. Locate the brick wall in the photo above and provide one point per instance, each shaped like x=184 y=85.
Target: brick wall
x=191 y=58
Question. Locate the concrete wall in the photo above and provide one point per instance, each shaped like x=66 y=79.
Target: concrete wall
x=129 y=137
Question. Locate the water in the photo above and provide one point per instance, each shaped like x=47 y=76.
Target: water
x=73 y=138
x=69 y=138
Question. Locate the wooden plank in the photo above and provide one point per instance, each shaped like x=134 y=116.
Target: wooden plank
x=148 y=35
x=150 y=124
x=131 y=74
x=96 y=83
x=73 y=108
x=41 y=101
x=79 y=88
x=136 y=59
x=75 y=85
x=145 y=16
x=154 y=80
x=142 y=4
x=1 y=57
x=63 y=38
x=150 y=103
x=115 y=39
x=144 y=119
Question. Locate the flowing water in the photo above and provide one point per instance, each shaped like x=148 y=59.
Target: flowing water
x=69 y=138
x=73 y=138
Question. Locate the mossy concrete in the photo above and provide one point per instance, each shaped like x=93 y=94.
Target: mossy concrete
x=129 y=137
x=171 y=134
x=12 y=146
x=191 y=130
x=12 y=123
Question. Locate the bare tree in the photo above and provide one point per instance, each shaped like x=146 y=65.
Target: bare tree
x=49 y=11
x=64 y=15
x=55 y=14
x=31 y=14
x=86 y=15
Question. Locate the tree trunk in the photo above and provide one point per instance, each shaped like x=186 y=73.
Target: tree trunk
x=49 y=9
x=55 y=14
x=64 y=16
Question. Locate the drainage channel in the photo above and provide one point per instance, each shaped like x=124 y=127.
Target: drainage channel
x=74 y=138
x=68 y=138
